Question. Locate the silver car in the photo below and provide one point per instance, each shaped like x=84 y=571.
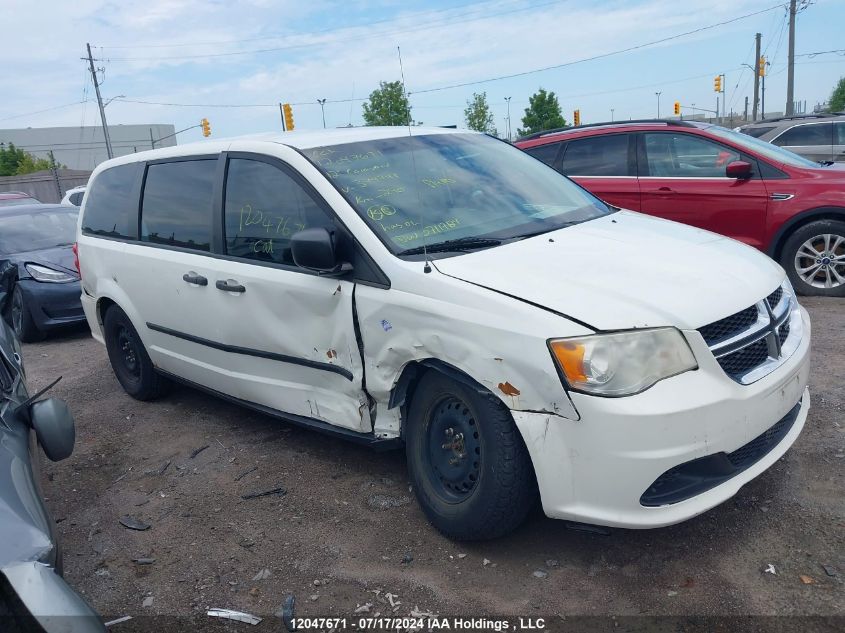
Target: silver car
x=819 y=137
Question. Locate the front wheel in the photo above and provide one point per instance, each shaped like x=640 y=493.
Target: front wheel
x=814 y=258
x=129 y=359
x=25 y=328
x=469 y=466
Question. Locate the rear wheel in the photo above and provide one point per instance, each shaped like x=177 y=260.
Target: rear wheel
x=22 y=322
x=814 y=258
x=469 y=466
x=129 y=359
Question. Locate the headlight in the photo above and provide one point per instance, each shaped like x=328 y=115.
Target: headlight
x=42 y=273
x=623 y=363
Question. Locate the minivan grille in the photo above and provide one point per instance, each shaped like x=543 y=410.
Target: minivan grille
x=746 y=341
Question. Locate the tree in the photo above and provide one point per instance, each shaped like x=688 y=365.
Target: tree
x=478 y=115
x=14 y=162
x=543 y=113
x=387 y=105
x=836 y=103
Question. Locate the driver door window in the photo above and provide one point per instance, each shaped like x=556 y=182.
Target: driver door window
x=686 y=156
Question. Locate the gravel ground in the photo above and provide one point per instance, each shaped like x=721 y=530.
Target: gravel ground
x=347 y=531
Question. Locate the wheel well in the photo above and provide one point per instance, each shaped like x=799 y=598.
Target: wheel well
x=830 y=213
x=102 y=305
x=402 y=392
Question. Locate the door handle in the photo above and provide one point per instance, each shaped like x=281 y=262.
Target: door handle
x=665 y=190
x=194 y=278
x=233 y=287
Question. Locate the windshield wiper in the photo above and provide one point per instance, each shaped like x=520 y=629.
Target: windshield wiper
x=457 y=244
x=825 y=163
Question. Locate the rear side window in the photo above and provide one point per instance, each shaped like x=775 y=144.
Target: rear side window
x=76 y=198
x=839 y=133
x=812 y=134
x=264 y=207
x=110 y=209
x=177 y=204
x=545 y=153
x=757 y=132
x=597 y=156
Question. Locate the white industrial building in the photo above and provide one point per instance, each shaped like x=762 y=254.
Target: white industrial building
x=84 y=147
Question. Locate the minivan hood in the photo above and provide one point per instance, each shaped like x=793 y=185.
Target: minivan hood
x=625 y=270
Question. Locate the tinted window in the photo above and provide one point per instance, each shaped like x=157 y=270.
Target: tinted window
x=686 y=156
x=545 y=153
x=110 y=209
x=757 y=132
x=813 y=134
x=177 y=204
x=597 y=156
x=36 y=231
x=264 y=207
x=839 y=127
x=429 y=188
x=76 y=198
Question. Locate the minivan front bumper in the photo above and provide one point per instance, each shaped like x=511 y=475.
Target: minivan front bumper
x=631 y=462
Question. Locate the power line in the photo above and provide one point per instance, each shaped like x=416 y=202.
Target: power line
x=600 y=56
x=275 y=49
x=838 y=51
x=66 y=105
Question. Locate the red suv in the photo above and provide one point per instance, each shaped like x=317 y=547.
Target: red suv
x=708 y=176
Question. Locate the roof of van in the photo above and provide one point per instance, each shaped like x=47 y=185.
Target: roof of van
x=304 y=139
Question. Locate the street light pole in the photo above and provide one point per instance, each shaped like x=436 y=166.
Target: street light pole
x=322 y=103
x=508 y=100
x=658 y=103
x=611 y=114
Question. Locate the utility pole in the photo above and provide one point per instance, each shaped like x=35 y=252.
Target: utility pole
x=508 y=100
x=790 y=63
x=322 y=103
x=611 y=115
x=100 y=103
x=658 y=103
x=745 y=113
x=756 y=79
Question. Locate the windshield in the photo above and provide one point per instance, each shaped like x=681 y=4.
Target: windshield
x=428 y=189
x=14 y=202
x=772 y=152
x=36 y=231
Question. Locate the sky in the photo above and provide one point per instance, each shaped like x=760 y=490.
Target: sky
x=249 y=55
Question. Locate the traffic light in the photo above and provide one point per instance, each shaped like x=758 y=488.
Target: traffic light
x=677 y=108
x=761 y=66
x=288 y=112
x=577 y=117
x=717 y=83
x=206 y=127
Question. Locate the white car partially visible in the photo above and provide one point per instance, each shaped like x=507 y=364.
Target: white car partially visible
x=73 y=197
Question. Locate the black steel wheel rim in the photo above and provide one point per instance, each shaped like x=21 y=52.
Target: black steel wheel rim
x=453 y=449
x=17 y=313
x=127 y=349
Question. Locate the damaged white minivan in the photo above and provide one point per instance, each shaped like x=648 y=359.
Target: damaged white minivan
x=443 y=291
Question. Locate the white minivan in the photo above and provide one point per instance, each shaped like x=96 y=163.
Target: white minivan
x=443 y=291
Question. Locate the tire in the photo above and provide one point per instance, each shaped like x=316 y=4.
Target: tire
x=484 y=494
x=22 y=322
x=814 y=258
x=129 y=359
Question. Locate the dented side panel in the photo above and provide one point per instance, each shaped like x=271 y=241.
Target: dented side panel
x=498 y=341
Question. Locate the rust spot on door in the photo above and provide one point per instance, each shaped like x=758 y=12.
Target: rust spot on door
x=331 y=354
x=508 y=389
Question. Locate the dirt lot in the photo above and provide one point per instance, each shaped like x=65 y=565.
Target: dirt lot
x=349 y=532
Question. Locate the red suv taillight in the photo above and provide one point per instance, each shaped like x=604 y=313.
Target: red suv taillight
x=76 y=258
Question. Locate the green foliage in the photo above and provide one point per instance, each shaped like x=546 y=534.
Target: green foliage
x=14 y=162
x=837 y=97
x=387 y=105
x=543 y=113
x=478 y=115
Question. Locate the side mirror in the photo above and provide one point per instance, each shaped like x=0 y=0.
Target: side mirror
x=54 y=428
x=314 y=249
x=738 y=169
